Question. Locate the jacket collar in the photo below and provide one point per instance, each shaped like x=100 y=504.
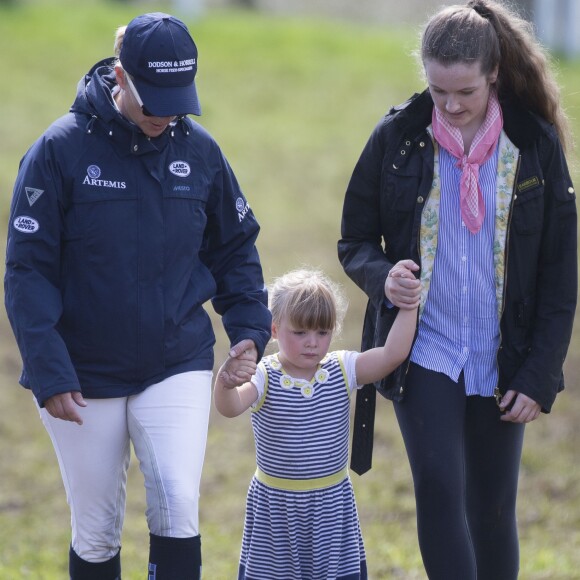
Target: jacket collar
x=95 y=101
x=520 y=125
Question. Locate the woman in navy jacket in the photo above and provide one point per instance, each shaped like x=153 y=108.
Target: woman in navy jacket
x=126 y=219
x=499 y=280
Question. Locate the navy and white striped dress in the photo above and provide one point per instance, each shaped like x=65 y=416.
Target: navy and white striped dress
x=301 y=517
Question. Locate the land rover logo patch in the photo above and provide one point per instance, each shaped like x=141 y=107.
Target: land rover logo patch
x=180 y=168
x=25 y=224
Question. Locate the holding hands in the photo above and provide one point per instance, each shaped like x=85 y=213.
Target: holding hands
x=240 y=365
x=234 y=392
x=402 y=288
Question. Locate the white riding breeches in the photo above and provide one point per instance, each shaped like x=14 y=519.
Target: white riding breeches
x=167 y=424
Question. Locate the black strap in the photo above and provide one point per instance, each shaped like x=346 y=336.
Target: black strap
x=361 y=457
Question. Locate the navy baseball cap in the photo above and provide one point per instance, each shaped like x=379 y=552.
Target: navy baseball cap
x=161 y=57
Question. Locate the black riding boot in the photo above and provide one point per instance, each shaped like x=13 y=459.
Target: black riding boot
x=80 y=569
x=174 y=558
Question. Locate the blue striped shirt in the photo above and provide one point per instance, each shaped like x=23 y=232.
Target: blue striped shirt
x=459 y=327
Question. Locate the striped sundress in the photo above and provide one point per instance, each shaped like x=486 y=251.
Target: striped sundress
x=301 y=517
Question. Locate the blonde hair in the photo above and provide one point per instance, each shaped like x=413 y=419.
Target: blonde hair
x=308 y=299
x=494 y=35
x=119 y=35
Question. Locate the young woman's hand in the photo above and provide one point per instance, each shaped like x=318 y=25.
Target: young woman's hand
x=519 y=408
x=245 y=349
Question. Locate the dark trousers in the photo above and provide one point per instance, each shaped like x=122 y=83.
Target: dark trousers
x=465 y=465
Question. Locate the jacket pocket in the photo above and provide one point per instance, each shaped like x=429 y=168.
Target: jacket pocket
x=400 y=188
x=185 y=214
x=524 y=312
x=528 y=215
x=187 y=189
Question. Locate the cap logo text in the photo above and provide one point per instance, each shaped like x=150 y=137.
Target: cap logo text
x=169 y=66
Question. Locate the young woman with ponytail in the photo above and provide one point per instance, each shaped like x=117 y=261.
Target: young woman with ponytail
x=467 y=184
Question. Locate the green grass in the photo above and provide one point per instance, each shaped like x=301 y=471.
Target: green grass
x=292 y=103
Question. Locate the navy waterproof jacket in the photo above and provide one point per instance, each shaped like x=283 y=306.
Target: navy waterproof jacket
x=116 y=241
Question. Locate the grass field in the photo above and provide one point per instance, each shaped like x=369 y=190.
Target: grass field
x=292 y=103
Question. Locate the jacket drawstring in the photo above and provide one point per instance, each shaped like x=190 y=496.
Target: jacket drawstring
x=90 y=124
x=183 y=124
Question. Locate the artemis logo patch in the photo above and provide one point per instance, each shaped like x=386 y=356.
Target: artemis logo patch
x=180 y=168
x=93 y=175
x=25 y=224
x=242 y=207
x=94 y=171
x=33 y=194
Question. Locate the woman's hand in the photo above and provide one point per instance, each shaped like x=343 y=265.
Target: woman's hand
x=64 y=406
x=522 y=410
x=240 y=365
x=402 y=288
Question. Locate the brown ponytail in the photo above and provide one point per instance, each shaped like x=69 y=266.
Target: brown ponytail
x=486 y=31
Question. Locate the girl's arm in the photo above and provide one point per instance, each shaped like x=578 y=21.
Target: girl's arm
x=232 y=401
x=376 y=363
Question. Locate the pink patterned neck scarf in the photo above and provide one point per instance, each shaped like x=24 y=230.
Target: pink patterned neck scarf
x=483 y=146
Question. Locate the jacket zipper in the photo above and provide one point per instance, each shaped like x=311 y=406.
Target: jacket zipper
x=408 y=361
x=496 y=392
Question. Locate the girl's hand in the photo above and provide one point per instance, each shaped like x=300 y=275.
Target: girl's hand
x=523 y=409
x=402 y=288
x=240 y=365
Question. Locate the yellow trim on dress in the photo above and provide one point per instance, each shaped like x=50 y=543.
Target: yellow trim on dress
x=263 y=398
x=301 y=484
x=339 y=357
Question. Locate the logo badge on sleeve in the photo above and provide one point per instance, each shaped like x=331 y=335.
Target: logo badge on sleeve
x=25 y=224
x=33 y=194
x=242 y=207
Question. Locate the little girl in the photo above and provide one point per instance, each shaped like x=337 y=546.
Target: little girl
x=301 y=518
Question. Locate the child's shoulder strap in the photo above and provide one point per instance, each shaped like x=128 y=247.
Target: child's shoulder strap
x=263 y=366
